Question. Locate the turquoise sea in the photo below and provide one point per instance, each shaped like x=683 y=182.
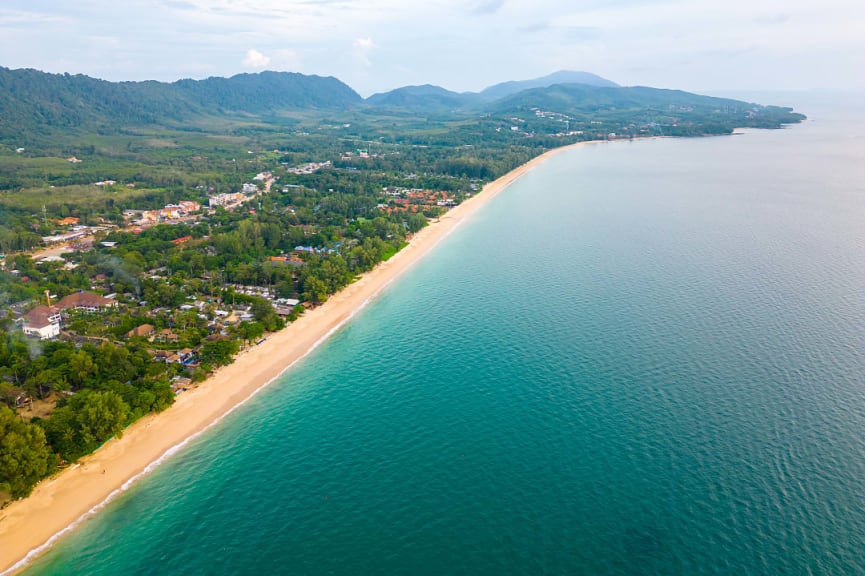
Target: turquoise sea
x=642 y=358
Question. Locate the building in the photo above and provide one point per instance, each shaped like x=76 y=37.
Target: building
x=86 y=302
x=225 y=199
x=167 y=335
x=188 y=206
x=43 y=322
x=142 y=331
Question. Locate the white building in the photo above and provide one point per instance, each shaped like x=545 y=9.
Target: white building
x=43 y=322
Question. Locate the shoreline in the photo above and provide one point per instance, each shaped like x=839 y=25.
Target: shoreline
x=60 y=503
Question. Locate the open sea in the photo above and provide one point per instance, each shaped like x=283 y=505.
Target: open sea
x=641 y=358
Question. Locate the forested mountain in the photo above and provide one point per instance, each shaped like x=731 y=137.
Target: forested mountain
x=40 y=109
x=584 y=98
x=426 y=96
x=268 y=92
x=31 y=100
x=641 y=103
x=561 y=77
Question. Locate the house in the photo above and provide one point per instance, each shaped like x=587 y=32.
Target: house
x=179 y=384
x=161 y=355
x=171 y=211
x=167 y=335
x=86 y=302
x=188 y=206
x=43 y=322
x=185 y=356
x=142 y=331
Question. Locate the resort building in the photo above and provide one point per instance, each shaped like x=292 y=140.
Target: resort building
x=86 y=302
x=42 y=322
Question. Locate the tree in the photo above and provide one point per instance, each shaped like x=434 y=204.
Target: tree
x=101 y=415
x=86 y=421
x=25 y=457
x=44 y=381
x=250 y=331
x=416 y=221
x=80 y=367
x=315 y=290
x=218 y=352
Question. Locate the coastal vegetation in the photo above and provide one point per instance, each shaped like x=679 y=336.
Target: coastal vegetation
x=203 y=215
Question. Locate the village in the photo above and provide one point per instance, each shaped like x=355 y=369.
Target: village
x=188 y=322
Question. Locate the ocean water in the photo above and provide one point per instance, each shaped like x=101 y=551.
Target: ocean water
x=642 y=358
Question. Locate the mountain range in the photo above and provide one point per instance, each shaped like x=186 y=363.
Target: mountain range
x=35 y=102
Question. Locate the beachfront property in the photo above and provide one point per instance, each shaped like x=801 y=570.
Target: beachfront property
x=400 y=199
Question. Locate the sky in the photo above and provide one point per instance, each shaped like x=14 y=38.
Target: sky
x=377 y=45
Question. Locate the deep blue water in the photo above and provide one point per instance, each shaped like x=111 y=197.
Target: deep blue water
x=642 y=358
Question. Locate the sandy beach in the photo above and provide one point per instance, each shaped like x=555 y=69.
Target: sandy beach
x=58 y=504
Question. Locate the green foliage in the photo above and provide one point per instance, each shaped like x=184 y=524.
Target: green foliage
x=87 y=420
x=63 y=102
x=25 y=457
x=415 y=222
x=218 y=352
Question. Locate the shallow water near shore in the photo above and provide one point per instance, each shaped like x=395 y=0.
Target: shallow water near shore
x=642 y=358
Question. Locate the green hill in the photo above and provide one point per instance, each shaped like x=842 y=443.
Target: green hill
x=426 y=97
x=35 y=105
x=506 y=89
x=42 y=110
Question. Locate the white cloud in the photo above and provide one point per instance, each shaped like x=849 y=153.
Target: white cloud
x=12 y=17
x=255 y=59
x=362 y=49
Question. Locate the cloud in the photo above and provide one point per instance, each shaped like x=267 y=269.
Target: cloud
x=558 y=31
x=362 y=49
x=486 y=6
x=255 y=59
x=24 y=18
x=773 y=20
